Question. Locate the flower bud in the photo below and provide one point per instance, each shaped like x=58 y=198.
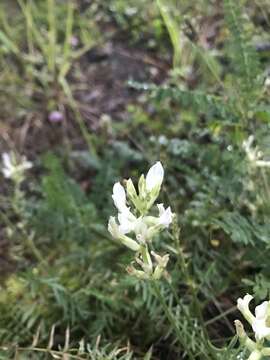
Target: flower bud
x=146 y=258
x=240 y=331
x=146 y=267
x=133 y=196
x=154 y=177
x=137 y=273
x=162 y=262
x=142 y=187
x=131 y=191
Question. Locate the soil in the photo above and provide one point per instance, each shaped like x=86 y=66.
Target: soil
x=100 y=88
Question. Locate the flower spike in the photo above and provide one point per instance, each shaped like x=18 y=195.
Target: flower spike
x=137 y=229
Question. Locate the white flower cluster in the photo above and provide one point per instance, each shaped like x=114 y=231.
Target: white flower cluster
x=14 y=168
x=254 y=155
x=139 y=223
x=260 y=323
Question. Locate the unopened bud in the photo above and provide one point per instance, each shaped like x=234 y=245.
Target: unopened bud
x=240 y=331
x=131 y=191
x=137 y=273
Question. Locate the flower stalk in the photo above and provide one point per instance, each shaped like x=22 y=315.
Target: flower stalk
x=135 y=227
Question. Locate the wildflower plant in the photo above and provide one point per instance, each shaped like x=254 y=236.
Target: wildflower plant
x=137 y=224
x=136 y=227
x=14 y=168
x=260 y=323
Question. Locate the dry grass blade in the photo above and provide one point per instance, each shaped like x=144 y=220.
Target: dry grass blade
x=81 y=347
x=51 y=340
x=36 y=337
x=67 y=338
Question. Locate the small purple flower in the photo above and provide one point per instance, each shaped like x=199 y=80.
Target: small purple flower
x=74 y=41
x=56 y=116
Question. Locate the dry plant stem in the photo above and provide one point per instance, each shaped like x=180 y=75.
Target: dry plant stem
x=54 y=353
x=171 y=319
x=78 y=117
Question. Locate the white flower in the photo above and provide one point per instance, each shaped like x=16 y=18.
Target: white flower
x=127 y=222
x=141 y=230
x=154 y=176
x=126 y=219
x=254 y=155
x=165 y=216
x=117 y=233
x=12 y=168
x=259 y=322
x=243 y=306
x=144 y=227
x=259 y=325
x=119 y=198
x=8 y=167
x=267 y=82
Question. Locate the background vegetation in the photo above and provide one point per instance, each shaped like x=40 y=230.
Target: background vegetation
x=93 y=92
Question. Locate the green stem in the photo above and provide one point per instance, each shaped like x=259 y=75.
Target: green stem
x=31 y=245
x=52 y=36
x=171 y=319
x=18 y=207
x=69 y=27
x=188 y=280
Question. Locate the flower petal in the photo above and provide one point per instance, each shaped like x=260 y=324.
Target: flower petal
x=6 y=160
x=119 y=197
x=154 y=176
x=166 y=217
x=115 y=231
x=126 y=224
x=113 y=228
x=260 y=329
x=261 y=310
x=161 y=209
x=243 y=306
